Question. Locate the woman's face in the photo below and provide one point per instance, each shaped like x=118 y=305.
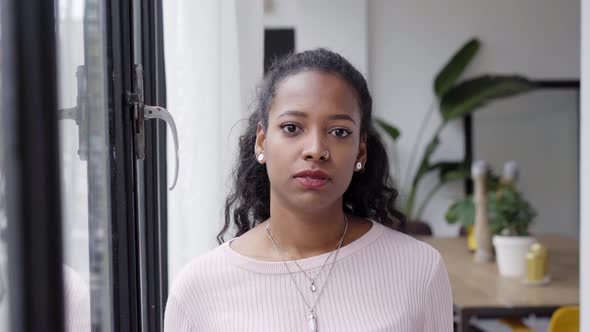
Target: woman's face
x=312 y=114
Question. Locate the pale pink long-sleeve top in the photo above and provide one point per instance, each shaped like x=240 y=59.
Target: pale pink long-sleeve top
x=383 y=281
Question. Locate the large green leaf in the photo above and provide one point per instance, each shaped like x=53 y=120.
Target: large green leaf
x=469 y=95
x=455 y=67
x=392 y=131
x=425 y=165
x=447 y=171
x=462 y=211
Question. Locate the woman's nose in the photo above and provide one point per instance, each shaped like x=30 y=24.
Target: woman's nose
x=316 y=148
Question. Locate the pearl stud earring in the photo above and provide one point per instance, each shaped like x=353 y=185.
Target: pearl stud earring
x=359 y=166
x=261 y=157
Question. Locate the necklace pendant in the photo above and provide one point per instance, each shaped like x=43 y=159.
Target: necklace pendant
x=313 y=288
x=311 y=322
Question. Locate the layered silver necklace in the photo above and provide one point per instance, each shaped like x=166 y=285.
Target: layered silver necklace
x=312 y=317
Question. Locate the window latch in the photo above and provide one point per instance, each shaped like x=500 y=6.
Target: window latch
x=142 y=113
x=79 y=113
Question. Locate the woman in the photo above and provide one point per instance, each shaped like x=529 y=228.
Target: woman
x=313 y=208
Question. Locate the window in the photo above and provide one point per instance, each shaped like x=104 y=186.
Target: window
x=79 y=167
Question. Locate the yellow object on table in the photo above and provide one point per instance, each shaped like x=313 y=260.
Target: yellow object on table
x=536 y=264
x=541 y=251
x=534 y=267
x=471 y=238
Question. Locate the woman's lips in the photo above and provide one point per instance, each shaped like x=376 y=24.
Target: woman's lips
x=310 y=182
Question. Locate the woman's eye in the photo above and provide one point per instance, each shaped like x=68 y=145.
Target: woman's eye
x=341 y=132
x=289 y=128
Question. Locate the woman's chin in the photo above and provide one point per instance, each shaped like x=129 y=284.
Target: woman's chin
x=314 y=201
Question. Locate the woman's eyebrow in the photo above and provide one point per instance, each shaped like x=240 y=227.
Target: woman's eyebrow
x=331 y=117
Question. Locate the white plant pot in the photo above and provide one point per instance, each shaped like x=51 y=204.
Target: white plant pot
x=511 y=254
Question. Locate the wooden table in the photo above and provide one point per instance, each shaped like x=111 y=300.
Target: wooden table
x=479 y=290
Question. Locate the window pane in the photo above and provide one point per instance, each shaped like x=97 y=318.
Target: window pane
x=84 y=160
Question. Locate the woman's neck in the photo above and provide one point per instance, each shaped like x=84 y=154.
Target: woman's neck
x=307 y=234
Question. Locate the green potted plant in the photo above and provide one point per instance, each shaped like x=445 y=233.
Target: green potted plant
x=509 y=216
x=454 y=99
x=512 y=215
x=463 y=210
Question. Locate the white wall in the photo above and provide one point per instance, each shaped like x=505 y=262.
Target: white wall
x=318 y=23
x=409 y=41
x=584 y=167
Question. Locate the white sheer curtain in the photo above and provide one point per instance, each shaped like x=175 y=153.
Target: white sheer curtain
x=214 y=57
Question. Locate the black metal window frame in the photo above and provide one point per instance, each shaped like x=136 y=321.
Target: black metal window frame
x=125 y=267
x=571 y=84
x=155 y=180
x=139 y=243
x=29 y=97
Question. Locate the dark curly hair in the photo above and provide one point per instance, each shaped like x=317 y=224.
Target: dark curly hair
x=370 y=193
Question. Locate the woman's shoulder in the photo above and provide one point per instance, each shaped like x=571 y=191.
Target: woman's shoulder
x=199 y=272
x=404 y=256
x=399 y=244
x=192 y=289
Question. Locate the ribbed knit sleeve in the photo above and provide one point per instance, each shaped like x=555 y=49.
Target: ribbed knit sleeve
x=383 y=281
x=439 y=301
x=176 y=318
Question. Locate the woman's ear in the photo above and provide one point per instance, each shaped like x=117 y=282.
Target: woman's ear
x=362 y=154
x=260 y=139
